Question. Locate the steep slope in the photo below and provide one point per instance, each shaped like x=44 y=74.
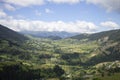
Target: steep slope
x=109 y=46
x=10 y=35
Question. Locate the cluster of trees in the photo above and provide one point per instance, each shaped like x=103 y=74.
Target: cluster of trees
x=44 y=56
x=67 y=56
x=19 y=71
x=72 y=58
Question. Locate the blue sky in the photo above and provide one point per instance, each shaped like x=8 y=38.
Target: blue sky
x=83 y=16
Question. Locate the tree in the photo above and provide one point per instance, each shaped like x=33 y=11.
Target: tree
x=58 y=71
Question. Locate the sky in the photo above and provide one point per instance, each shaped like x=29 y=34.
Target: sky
x=82 y=16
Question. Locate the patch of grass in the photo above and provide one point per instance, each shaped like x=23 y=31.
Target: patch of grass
x=115 y=76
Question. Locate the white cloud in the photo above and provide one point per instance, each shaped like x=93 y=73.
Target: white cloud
x=110 y=25
x=86 y=26
x=65 y=1
x=48 y=10
x=19 y=16
x=109 y=5
x=78 y=26
x=24 y=3
x=9 y=7
x=2 y=14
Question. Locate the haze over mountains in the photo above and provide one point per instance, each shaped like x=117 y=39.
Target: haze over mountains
x=47 y=34
x=13 y=35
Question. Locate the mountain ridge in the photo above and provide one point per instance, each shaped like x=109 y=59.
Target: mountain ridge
x=10 y=35
x=111 y=34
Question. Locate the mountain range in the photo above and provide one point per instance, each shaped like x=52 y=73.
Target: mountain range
x=47 y=34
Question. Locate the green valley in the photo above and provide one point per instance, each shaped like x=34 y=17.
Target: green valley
x=82 y=57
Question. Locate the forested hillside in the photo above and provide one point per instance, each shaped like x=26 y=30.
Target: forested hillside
x=10 y=35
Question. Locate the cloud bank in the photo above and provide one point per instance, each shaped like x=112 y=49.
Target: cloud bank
x=25 y=25
x=110 y=24
x=36 y=25
x=109 y=5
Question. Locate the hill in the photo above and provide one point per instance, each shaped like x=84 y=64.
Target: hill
x=108 y=48
x=10 y=35
x=111 y=35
